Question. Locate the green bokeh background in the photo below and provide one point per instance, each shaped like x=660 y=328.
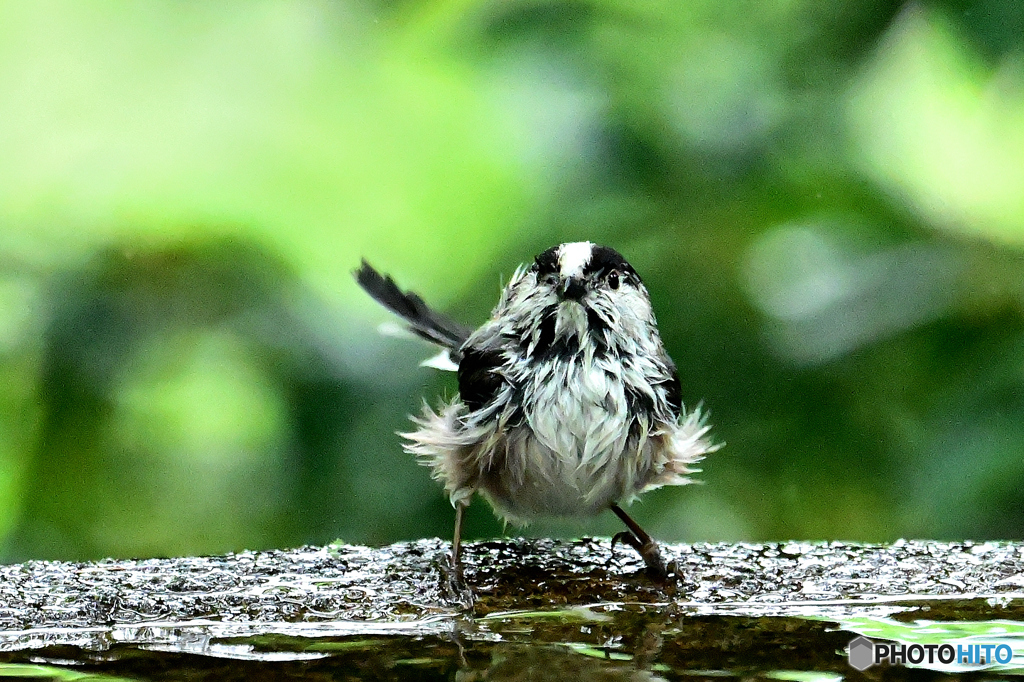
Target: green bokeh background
x=825 y=199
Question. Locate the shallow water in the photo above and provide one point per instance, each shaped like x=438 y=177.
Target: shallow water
x=545 y=611
x=601 y=641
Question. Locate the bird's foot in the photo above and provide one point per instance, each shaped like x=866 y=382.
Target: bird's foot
x=453 y=585
x=656 y=569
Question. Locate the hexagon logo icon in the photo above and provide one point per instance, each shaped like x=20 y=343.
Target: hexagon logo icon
x=862 y=653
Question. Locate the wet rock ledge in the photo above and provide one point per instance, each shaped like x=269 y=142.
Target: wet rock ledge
x=403 y=582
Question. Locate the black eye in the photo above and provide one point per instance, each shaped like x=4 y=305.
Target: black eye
x=549 y=279
x=613 y=279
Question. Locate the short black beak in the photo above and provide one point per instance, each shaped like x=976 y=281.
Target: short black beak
x=573 y=289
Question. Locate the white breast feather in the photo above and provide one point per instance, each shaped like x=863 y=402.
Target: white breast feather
x=583 y=431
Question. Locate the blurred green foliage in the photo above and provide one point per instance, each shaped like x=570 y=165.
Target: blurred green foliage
x=826 y=201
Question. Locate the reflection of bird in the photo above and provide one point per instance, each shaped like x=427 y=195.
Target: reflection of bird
x=551 y=663
x=568 y=403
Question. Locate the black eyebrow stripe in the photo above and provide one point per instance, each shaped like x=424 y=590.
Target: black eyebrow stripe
x=547 y=262
x=605 y=259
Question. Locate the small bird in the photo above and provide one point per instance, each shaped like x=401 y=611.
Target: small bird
x=568 y=404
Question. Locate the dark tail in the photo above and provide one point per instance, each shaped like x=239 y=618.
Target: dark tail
x=422 y=321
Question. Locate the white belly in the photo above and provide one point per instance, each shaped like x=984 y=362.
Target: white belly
x=586 y=426
x=568 y=458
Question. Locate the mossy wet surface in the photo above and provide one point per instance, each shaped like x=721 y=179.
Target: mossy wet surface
x=544 y=610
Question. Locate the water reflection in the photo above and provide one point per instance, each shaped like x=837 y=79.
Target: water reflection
x=513 y=662
x=606 y=641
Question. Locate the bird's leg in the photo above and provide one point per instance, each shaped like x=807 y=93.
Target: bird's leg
x=454 y=584
x=637 y=538
x=457 y=543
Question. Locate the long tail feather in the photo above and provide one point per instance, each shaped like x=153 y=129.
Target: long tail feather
x=422 y=321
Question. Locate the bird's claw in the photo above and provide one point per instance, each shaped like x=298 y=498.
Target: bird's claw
x=656 y=569
x=453 y=585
